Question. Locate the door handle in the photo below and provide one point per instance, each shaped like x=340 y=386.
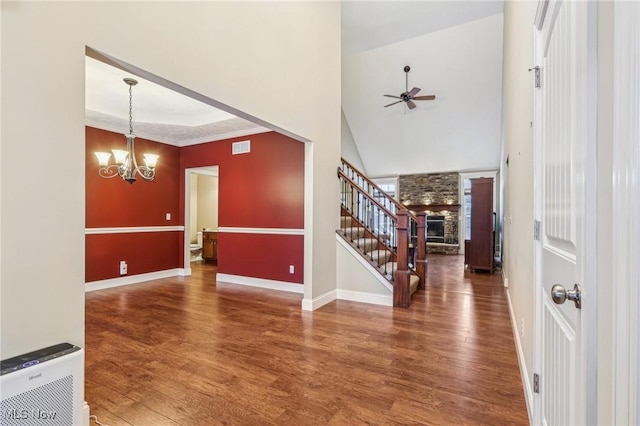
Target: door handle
x=559 y=294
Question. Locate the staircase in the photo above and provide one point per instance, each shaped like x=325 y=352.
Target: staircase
x=387 y=235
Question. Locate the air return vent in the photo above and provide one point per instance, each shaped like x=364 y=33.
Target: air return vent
x=241 y=147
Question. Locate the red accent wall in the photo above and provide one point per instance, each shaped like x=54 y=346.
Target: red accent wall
x=260 y=189
x=116 y=203
x=143 y=251
x=261 y=256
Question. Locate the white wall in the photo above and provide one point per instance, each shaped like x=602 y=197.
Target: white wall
x=357 y=281
x=460 y=130
x=349 y=150
x=257 y=57
x=517 y=103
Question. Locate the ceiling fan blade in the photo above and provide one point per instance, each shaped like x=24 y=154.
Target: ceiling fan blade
x=411 y=104
x=413 y=91
x=391 y=96
x=424 y=98
x=393 y=103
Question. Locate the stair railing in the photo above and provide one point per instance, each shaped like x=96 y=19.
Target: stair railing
x=379 y=220
x=372 y=227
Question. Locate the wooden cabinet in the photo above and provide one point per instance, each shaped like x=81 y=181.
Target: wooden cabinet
x=210 y=246
x=481 y=244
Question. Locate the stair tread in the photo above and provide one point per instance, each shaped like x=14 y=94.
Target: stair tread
x=354 y=231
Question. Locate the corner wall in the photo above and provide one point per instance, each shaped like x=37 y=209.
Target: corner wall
x=113 y=204
x=260 y=204
x=239 y=49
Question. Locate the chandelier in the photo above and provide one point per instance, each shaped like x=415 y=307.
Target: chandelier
x=126 y=165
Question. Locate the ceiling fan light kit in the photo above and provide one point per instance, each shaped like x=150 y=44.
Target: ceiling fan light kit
x=408 y=96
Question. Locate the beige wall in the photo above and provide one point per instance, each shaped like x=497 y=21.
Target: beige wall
x=349 y=150
x=255 y=56
x=207 y=202
x=193 y=208
x=517 y=102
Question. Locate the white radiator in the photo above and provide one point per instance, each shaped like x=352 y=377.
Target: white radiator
x=43 y=388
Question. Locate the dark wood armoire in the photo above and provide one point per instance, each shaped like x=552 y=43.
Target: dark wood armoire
x=482 y=233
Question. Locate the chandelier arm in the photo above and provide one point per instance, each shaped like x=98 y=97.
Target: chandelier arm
x=146 y=173
x=109 y=172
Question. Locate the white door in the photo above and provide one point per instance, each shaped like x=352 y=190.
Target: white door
x=565 y=136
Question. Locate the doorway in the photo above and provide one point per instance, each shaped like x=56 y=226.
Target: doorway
x=201 y=208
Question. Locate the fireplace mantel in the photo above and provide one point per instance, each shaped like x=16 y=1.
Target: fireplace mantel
x=433 y=207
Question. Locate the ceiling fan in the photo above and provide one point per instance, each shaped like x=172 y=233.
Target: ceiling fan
x=409 y=96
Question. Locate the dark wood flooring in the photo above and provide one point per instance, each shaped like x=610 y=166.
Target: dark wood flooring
x=188 y=351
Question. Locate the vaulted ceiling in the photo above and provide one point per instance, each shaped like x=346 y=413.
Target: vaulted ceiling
x=453 y=48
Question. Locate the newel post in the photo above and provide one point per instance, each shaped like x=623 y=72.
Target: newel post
x=421 y=261
x=401 y=290
x=421 y=256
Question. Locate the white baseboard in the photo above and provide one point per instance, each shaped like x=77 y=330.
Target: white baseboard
x=259 y=282
x=86 y=421
x=362 y=297
x=317 y=302
x=134 y=279
x=528 y=390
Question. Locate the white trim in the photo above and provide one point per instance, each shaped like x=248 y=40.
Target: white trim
x=528 y=390
x=273 y=231
x=132 y=229
x=364 y=263
x=259 y=282
x=362 y=297
x=320 y=301
x=133 y=279
x=229 y=135
x=86 y=420
x=626 y=202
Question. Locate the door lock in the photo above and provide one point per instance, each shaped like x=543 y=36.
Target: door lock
x=559 y=294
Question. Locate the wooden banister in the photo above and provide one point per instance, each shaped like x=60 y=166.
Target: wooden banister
x=366 y=194
x=399 y=232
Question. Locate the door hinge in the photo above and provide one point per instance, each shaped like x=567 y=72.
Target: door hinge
x=536 y=230
x=536 y=383
x=537 y=76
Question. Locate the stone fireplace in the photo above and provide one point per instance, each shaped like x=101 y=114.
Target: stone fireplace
x=437 y=195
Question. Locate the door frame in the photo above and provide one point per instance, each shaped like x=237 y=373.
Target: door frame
x=588 y=273
x=213 y=170
x=625 y=235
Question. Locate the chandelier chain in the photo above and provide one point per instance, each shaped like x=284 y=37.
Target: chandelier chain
x=130 y=110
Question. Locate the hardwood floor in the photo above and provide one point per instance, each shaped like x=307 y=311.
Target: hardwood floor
x=189 y=351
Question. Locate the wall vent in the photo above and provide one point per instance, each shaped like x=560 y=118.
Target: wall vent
x=242 y=147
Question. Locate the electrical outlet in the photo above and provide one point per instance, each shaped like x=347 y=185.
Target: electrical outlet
x=522 y=327
x=291 y=269
x=168 y=216
x=123 y=267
